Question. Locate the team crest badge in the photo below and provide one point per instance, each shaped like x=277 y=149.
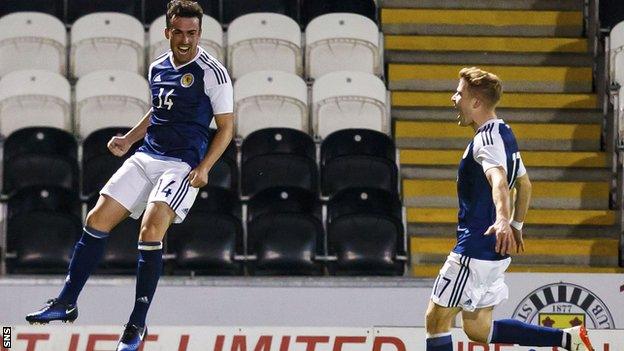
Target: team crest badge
x=187 y=80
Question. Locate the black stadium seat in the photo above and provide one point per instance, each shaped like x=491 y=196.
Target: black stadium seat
x=314 y=8
x=365 y=232
x=157 y=8
x=358 y=158
x=278 y=157
x=284 y=232
x=43 y=225
x=98 y=163
x=224 y=173
x=79 y=8
x=210 y=236
x=52 y=7
x=40 y=156
x=237 y=8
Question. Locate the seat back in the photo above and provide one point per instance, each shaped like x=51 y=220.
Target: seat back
x=264 y=41
x=32 y=40
x=349 y=142
x=233 y=9
x=266 y=99
x=616 y=54
x=34 y=98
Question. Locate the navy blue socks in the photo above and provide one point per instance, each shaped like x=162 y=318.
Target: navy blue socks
x=440 y=342
x=511 y=331
x=87 y=254
x=148 y=272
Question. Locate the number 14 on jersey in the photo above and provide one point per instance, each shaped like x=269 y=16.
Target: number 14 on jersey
x=167 y=101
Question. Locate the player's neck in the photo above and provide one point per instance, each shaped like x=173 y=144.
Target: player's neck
x=483 y=118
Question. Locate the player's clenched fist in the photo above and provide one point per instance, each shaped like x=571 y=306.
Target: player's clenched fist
x=198 y=177
x=119 y=145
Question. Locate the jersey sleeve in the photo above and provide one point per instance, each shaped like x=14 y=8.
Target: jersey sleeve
x=218 y=87
x=489 y=150
x=521 y=170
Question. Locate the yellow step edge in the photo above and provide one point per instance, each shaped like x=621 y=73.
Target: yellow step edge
x=497 y=18
x=530 y=158
x=397 y=72
x=432 y=270
x=534 y=216
x=508 y=100
x=550 y=131
x=431 y=187
x=488 y=44
x=550 y=247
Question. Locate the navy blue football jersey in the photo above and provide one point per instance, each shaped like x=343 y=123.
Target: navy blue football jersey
x=184 y=101
x=494 y=145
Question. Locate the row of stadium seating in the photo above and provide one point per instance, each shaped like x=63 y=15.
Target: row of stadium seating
x=41 y=156
x=302 y=11
x=263 y=99
x=258 y=41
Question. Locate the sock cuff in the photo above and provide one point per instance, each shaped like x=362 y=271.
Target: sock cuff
x=439 y=339
x=150 y=245
x=98 y=234
x=440 y=335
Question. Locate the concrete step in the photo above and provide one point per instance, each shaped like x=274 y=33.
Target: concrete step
x=485 y=57
x=587 y=252
x=545 y=195
x=485 y=44
x=508 y=114
x=424 y=270
x=548 y=159
x=552 y=79
x=447 y=135
x=508 y=100
x=530 y=231
x=535 y=173
x=506 y=23
x=535 y=216
x=561 y=5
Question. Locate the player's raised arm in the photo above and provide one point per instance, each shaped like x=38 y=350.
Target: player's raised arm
x=497 y=178
x=521 y=207
x=119 y=145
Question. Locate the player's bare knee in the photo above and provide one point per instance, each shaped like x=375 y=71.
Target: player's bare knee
x=476 y=333
x=149 y=233
x=96 y=221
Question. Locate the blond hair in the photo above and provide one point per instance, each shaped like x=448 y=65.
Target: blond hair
x=484 y=84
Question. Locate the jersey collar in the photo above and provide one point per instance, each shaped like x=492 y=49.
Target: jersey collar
x=199 y=52
x=491 y=121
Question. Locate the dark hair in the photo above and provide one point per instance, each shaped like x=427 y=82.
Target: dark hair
x=184 y=8
x=485 y=84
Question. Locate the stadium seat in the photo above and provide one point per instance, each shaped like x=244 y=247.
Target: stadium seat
x=341 y=41
x=107 y=40
x=43 y=225
x=343 y=99
x=79 y=8
x=53 y=7
x=314 y=8
x=278 y=157
x=211 y=38
x=616 y=54
x=34 y=98
x=365 y=232
x=98 y=163
x=264 y=41
x=266 y=99
x=32 y=40
x=358 y=158
x=210 y=236
x=110 y=98
x=224 y=173
x=233 y=9
x=157 y=8
x=40 y=156
x=121 y=249
x=284 y=232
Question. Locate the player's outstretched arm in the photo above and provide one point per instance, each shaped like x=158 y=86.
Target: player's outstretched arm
x=500 y=195
x=225 y=131
x=521 y=207
x=119 y=145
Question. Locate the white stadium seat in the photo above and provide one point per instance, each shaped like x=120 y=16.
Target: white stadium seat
x=265 y=99
x=31 y=98
x=107 y=40
x=347 y=99
x=264 y=41
x=211 y=39
x=341 y=41
x=32 y=40
x=110 y=98
x=616 y=54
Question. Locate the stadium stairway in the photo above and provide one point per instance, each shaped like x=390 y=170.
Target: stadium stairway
x=538 y=50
